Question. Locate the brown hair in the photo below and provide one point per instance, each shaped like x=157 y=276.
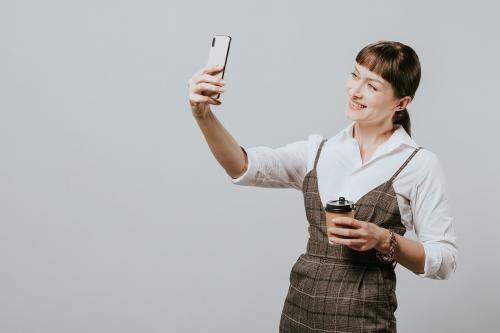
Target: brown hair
x=399 y=65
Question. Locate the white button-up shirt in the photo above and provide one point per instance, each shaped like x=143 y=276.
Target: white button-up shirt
x=420 y=187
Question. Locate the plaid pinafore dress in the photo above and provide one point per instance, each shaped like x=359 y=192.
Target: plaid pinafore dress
x=334 y=288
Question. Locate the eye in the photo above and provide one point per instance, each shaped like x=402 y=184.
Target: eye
x=353 y=75
x=372 y=87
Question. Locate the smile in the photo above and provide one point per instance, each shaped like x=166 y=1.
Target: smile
x=356 y=106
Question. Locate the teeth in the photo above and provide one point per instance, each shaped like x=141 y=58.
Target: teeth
x=357 y=106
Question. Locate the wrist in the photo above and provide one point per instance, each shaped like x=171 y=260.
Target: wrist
x=388 y=255
x=201 y=114
x=384 y=241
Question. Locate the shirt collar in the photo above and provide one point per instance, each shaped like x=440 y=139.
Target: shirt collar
x=397 y=139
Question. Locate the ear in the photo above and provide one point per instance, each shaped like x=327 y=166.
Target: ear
x=403 y=103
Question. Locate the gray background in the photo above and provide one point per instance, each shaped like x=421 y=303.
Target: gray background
x=115 y=216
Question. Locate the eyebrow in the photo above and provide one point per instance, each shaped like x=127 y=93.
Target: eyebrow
x=356 y=68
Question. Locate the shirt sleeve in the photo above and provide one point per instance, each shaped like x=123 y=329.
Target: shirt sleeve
x=283 y=167
x=433 y=221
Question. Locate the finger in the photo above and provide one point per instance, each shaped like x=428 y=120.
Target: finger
x=210 y=69
x=347 y=242
x=207 y=87
x=344 y=232
x=212 y=79
x=357 y=248
x=347 y=221
x=207 y=78
x=197 y=98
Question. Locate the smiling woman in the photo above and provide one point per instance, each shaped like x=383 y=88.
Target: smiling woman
x=389 y=75
x=345 y=281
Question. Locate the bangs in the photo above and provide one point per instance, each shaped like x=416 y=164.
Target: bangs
x=382 y=59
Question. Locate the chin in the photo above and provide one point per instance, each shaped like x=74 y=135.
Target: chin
x=354 y=115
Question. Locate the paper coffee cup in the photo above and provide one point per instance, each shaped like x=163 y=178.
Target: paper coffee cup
x=338 y=208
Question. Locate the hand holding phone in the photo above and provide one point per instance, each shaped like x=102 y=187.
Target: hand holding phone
x=207 y=82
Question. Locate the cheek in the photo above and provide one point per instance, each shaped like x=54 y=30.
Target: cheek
x=376 y=100
x=383 y=103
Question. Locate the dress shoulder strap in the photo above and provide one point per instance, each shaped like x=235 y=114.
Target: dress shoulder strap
x=319 y=152
x=404 y=164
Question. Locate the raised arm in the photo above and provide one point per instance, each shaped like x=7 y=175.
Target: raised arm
x=224 y=147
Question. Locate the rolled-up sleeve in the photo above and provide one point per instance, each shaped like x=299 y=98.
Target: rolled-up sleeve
x=433 y=221
x=283 y=167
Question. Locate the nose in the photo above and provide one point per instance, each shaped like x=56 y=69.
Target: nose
x=355 y=89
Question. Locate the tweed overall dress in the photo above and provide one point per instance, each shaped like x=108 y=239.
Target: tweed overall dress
x=337 y=289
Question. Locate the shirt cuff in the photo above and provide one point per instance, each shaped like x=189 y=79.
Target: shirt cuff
x=249 y=176
x=438 y=264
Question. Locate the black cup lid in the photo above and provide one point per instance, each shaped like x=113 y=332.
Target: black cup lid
x=339 y=206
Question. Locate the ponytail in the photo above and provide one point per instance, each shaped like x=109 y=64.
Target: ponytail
x=402 y=118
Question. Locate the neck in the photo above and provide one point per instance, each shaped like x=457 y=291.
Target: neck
x=370 y=135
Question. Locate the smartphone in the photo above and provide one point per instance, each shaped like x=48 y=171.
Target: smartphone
x=218 y=55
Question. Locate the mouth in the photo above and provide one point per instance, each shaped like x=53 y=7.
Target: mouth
x=356 y=106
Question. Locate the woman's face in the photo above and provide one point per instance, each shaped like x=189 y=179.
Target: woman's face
x=370 y=98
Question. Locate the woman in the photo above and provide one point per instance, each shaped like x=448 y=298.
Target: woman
x=345 y=282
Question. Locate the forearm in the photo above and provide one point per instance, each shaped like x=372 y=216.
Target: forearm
x=409 y=253
x=223 y=146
